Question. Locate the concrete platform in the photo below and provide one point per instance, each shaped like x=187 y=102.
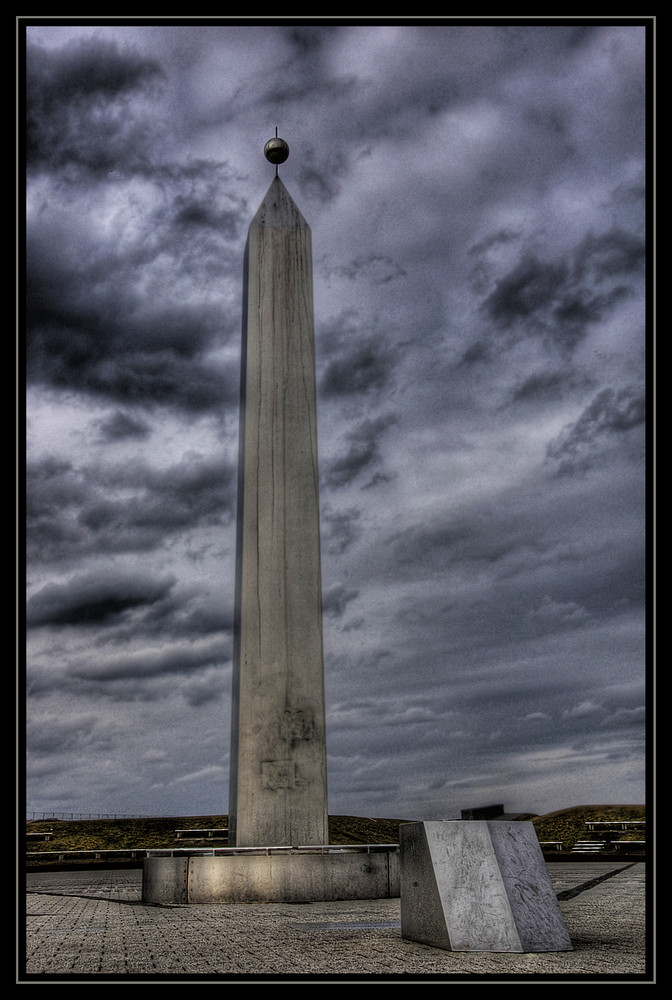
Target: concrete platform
x=271 y=875
x=93 y=926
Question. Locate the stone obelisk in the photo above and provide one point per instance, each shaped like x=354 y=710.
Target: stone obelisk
x=278 y=786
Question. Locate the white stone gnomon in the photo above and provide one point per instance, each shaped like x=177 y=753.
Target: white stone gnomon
x=278 y=783
x=478 y=886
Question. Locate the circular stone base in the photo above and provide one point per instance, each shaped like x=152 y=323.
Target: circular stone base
x=271 y=875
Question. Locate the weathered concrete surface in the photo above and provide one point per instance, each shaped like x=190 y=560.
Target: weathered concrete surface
x=92 y=924
x=278 y=784
x=478 y=886
x=296 y=877
x=165 y=880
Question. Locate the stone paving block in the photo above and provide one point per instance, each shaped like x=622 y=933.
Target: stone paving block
x=360 y=939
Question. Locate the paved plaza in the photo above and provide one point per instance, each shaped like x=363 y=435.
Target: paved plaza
x=93 y=925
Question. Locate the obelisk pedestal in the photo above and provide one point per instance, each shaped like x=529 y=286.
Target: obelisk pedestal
x=278 y=786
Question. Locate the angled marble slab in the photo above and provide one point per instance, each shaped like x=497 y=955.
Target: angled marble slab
x=478 y=886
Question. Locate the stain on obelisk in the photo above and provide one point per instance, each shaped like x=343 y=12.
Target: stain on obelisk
x=278 y=786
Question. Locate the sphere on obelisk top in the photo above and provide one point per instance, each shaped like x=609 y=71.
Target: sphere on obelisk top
x=276 y=150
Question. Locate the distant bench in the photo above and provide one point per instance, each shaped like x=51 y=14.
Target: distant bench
x=595 y=846
x=221 y=834
x=622 y=845
x=42 y=835
x=605 y=827
x=550 y=845
x=615 y=824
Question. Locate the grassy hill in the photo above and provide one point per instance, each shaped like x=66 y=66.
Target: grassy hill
x=567 y=825
x=126 y=834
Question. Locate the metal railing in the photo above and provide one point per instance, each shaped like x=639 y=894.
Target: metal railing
x=41 y=814
x=169 y=852
x=89 y=855
x=266 y=849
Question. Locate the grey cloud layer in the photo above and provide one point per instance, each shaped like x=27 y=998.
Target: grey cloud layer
x=476 y=196
x=135 y=508
x=128 y=319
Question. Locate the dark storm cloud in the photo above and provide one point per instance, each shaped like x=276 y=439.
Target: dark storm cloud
x=480 y=268
x=362 y=455
x=92 y=599
x=51 y=486
x=469 y=539
x=559 y=300
x=354 y=358
x=476 y=354
x=187 y=613
x=192 y=214
x=77 y=106
x=609 y=415
x=122 y=426
x=462 y=723
x=555 y=300
x=525 y=290
x=519 y=567
x=74 y=511
x=205 y=687
x=122 y=316
x=547 y=385
x=366 y=367
x=336 y=598
x=377 y=268
x=169 y=501
x=340 y=528
x=614 y=252
x=320 y=171
x=210 y=614
x=63 y=735
x=54 y=490
x=89 y=330
x=143 y=665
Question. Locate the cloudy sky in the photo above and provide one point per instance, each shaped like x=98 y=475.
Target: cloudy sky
x=477 y=199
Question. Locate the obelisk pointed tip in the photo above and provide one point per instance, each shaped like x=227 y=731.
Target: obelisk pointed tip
x=278 y=209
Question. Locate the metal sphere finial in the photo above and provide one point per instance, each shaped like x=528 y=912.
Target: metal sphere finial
x=276 y=150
